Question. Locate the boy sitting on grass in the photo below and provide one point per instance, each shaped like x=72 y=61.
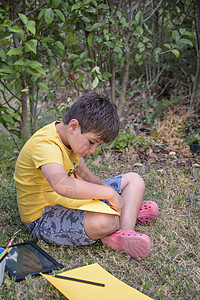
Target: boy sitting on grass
x=52 y=180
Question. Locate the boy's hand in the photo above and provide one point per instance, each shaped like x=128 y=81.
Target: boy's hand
x=116 y=201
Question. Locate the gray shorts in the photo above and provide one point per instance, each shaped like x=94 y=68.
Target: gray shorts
x=64 y=226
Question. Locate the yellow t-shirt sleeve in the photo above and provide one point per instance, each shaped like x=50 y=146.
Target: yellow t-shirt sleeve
x=46 y=152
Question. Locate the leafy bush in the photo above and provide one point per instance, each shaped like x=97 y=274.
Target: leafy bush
x=127 y=140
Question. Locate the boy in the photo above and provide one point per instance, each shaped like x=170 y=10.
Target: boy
x=52 y=180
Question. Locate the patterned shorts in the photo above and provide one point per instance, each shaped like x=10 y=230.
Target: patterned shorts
x=64 y=226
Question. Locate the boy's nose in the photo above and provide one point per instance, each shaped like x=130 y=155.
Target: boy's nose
x=93 y=149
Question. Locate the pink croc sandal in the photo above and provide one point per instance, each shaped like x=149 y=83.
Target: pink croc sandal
x=147 y=212
x=132 y=243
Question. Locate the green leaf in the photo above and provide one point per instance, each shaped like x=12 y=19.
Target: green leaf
x=43 y=85
x=36 y=73
x=34 y=64
x=87 y=59
x=16 y=116
x=6 y=70
x=49 y=16
x=157 y=50
x=2 y=53
x=182 y=30
x=14 y=51
x=57 y=75
x=40 y=70
x=1 y=87
x=56 y=3
x=83 y=55
x=176 y=52
x=91 y=10
x=138 y=57
x=20 y=63
x=7 y=118
x=30 y=26
x=60 y=45
x=23 y=18
x=85 y=19
x=16 y=29
x=119 y=14
x=109 y=44
x=176 y=35
x=49 y=52
x=138 y=31
x=48 y=39
x=60 y=14
x=85 y=2
x=123 y=22
x=168 y=46
x=95 y=82
x=64 y=4
x=72 y=56
x=96 y=69
x=91 y=38
x=41 y=13
x=107 y=75
x=138 y=16
x=186 y=41
x=140 y=45
x=76 y=6
x=80 y=78
x=103 y=6
x=94 y=3
x=77 y=63
x=118 y=50
x=30 y=46
x=95 y=26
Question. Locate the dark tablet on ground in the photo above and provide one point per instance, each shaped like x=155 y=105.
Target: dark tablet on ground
x=27 y=258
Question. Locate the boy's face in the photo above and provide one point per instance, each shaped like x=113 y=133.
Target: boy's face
x=86 y=144
x=83 y=144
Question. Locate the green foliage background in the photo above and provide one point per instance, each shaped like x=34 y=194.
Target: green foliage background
x=126 y=47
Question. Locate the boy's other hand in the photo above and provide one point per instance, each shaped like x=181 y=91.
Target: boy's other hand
x=116 y=201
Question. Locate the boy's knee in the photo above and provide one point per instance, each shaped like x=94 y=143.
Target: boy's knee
x=106 y=224
x=99 y=225
x=134 y=178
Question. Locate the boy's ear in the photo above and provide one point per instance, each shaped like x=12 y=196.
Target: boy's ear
x=73 y=125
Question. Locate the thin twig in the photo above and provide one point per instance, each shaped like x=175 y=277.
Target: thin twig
x=10 y=91
x=7 y=102
x=149 y=17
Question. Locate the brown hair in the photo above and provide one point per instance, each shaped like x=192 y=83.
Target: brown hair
x=95 y=113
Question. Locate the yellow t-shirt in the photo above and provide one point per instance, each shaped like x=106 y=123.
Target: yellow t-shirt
x=33 y=190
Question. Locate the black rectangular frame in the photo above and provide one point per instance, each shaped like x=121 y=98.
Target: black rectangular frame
x=35 y=273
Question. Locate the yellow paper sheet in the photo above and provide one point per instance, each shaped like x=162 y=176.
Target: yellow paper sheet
x=98 y=206
x=114 y=288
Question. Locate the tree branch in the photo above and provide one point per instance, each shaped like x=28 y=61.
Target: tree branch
x=149 y=17
x=7 y=102
x=10 y=91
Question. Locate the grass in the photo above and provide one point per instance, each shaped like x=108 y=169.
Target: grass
x=172 y=269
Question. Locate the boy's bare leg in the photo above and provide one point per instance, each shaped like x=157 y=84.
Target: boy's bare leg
x=98 y=225
x=133 y=188
x=126 y=239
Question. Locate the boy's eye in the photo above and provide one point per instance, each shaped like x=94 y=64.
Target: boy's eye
x=91 y=143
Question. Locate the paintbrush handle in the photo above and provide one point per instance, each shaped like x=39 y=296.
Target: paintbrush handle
x=9 y=244
x=79 y=280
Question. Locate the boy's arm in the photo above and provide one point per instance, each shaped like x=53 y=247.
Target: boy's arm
x=83 y=172
x=75 y=188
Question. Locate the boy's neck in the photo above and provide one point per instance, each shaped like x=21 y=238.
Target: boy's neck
x=62 y=131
